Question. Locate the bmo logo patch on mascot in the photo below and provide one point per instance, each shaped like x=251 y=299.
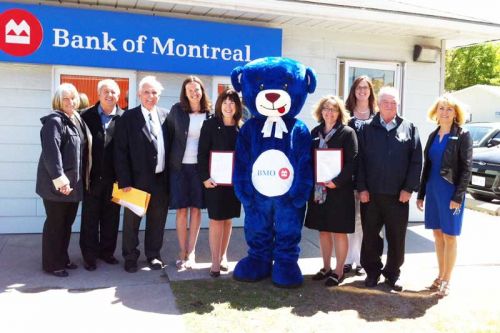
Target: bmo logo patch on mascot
x=272 y=173
x=21 y=33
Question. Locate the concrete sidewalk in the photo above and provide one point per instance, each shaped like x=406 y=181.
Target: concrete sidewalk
x=110 y=297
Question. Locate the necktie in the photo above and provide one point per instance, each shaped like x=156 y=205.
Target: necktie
x=152 y=127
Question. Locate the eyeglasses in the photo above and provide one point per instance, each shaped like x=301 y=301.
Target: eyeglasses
x=329 y=110
x=359 y=88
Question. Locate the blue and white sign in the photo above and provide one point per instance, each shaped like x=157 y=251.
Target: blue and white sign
x=70 y=36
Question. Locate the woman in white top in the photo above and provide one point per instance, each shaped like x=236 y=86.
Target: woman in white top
x=361 y=104
x=186 y=190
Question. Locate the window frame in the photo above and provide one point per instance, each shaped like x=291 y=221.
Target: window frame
x=57 y=71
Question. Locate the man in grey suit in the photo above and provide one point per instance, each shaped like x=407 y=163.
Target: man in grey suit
x=140 y=162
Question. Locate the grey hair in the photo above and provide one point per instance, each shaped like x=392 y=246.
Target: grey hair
x=389 y=91
x=109 y=83
x=152 y=81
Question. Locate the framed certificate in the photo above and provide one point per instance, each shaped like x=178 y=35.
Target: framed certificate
x=221 y=166
x=327 y=164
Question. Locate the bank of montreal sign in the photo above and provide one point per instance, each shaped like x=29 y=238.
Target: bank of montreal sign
x=69 y=36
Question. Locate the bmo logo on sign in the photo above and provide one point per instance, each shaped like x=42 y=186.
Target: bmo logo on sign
x=21 y=33
x=272 y=173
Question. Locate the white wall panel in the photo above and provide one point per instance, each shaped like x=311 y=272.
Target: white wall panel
x=18 y=171
x=18 y=207
x=20 y=153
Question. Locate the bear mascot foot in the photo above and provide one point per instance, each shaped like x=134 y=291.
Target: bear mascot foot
x=251 y=269
x=287 y=274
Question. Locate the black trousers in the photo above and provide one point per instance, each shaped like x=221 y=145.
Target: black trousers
x=156 y=217
x=100 y=220
x=57 y=233
x=384 y=211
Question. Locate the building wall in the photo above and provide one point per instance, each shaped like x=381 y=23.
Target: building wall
x=482 y=105
x=26 y=96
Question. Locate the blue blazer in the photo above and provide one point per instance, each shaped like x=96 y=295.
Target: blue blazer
x=135 y=153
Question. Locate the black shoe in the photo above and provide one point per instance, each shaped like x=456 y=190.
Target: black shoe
x=90 y=266
x=214 y=274
x=394 y=284
x=347 y=268
x=71 y=265
x=334 y=280
x=131 y=266
x=359 y=271
x=60 y=273
x=322 y=274
x=155 y=264
x=109 y=260
x=371 y=281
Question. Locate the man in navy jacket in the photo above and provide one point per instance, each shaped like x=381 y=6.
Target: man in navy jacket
x=100 y=216
x=141 y=150
x=390 y=162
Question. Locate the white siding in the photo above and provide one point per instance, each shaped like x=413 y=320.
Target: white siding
x=26 y=97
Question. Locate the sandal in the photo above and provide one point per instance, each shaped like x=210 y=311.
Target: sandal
x=180 y=264
x=224 y=266
x=436 y=284
x=334 y=280
x=444 y=289
x=322 y=274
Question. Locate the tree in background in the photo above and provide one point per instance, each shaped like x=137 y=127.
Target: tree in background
x=476 y=64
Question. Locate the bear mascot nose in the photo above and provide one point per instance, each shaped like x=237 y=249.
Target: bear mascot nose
x=272 y=97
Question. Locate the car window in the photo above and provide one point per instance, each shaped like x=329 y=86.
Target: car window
x=477 y=133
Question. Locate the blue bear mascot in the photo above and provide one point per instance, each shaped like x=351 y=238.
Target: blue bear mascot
x=273 y=171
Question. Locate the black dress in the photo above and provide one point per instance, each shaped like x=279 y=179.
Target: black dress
x=221 y=201
x=336 y=214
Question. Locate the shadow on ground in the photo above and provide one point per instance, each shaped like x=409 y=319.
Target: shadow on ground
x=377 y=304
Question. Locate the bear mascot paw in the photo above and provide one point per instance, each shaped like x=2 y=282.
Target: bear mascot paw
x=273 y=169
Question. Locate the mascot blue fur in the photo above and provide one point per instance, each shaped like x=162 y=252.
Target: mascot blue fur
x=273 y=170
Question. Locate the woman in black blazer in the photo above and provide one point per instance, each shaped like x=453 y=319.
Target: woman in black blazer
x=331 y=207
x=63 y=173
x=219 y=133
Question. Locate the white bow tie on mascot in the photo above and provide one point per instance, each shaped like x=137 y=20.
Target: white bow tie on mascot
x=273 y=169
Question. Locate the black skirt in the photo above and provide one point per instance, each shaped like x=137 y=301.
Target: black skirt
x=336 y=214
x=222 y=203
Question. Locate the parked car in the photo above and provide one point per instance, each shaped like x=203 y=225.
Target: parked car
x=485 y=182
x=484 y=135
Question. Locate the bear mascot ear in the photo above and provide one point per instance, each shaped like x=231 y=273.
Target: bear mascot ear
x=235 y=78
x=311 y=76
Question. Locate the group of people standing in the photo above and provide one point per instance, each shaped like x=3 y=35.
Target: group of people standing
x=163 y=153
x=167 y=154
x=382 y=165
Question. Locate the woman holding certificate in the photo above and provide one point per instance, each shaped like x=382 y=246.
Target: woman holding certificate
x=186 y=191
x=215 y=164
x=331 y=207
x=446 y=174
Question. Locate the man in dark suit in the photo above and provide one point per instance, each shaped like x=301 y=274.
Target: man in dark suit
x=100 y=216
x=140 y=162
x=390 y=162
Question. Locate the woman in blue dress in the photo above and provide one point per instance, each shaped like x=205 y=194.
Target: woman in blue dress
x=446 y=173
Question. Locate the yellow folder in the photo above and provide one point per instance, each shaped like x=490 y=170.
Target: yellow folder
x=135 y=200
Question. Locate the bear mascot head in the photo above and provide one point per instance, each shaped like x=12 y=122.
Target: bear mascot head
x=273 y=86
x=273 y=171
